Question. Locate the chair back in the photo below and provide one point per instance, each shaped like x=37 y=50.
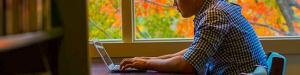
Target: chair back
x=276 y=63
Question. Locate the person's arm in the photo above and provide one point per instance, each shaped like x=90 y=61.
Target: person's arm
x=172 y=55
x=167 y=55
x=181 y=52
x=174 y=64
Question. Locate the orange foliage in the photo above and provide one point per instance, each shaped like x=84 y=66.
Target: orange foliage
x=107 y=8
x=118 y=22
x=260 y=8
x=186 y=28
x=263 y=31
x=259 y=12
x=297 y=28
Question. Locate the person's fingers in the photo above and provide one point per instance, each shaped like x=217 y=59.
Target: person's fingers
x=125 y=61
x=129 y=61
x=126 y=66
x=136 y=65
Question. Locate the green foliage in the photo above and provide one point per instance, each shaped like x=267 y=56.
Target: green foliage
x=159 y=20
x=102 y=17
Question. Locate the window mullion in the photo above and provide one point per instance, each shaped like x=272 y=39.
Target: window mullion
x=128 y=21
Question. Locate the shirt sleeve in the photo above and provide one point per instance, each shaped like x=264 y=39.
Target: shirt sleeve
x=208 y=37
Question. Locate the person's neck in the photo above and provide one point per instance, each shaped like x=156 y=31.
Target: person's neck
x=198 y=6
x=202 y=5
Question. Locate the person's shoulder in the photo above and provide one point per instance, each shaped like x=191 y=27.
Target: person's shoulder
x=215 y=12
x=224 y=7
x=217 y=8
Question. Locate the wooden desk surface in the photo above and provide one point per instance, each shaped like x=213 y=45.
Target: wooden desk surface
x=98 y=68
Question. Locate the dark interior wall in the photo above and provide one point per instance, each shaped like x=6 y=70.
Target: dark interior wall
x=73 y=55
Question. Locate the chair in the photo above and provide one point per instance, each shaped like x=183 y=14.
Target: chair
x=276 y=63
x=259 y=70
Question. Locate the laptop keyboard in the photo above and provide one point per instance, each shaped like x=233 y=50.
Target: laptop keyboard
x=116 y=67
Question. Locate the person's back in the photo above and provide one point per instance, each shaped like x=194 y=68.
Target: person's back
x=240 y=49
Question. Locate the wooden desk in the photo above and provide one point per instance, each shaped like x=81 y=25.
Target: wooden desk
x=98 y=68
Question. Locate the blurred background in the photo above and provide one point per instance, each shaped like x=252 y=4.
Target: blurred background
x=158 y=19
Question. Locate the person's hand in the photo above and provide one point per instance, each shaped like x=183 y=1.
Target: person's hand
x=137 y=62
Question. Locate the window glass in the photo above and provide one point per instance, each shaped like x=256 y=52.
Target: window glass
x=272 y=17
x=104 y=19
x=156 y=19
x=159 y=19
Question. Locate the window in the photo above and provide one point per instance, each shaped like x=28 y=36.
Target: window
x=157 y=19
x=104 y=19
x=153 y=27
x=272 y=17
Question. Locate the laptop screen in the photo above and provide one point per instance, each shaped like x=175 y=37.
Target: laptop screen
x=101 y=50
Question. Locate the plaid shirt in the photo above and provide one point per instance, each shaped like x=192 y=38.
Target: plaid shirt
x=224 y=41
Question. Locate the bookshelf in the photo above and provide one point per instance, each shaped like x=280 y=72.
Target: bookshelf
x=12 y=42
x=27 y=38
x=1 y=18
x=22 y=16
x=32 y=53
x=53 y=29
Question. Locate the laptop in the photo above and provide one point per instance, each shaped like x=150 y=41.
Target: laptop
x=110 y=66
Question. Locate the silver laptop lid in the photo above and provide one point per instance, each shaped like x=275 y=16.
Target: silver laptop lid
x=101 y=50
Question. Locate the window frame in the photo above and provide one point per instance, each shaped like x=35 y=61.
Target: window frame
x=129 y=46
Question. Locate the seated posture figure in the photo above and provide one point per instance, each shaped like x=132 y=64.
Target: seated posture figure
x=224 y=43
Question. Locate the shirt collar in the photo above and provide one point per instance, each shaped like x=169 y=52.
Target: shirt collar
x=206 y=4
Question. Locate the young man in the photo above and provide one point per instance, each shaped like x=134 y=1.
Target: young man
x=224 y=43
